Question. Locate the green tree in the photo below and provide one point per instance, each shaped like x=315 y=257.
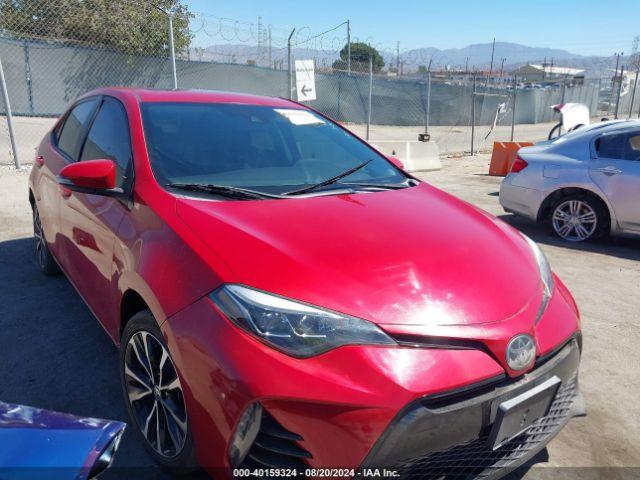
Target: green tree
x=360 y=53
x=122 y=25
x=422 y=70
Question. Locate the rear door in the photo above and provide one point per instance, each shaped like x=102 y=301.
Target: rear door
x=62 y=148
x=616 y=171
x=89 y=222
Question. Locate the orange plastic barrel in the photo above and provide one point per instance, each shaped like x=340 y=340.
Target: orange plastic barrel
x=503 y=156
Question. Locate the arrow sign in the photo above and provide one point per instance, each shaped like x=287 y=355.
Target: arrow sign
x=305 y=80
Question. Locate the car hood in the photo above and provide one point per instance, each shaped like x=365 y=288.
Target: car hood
x=415 y=256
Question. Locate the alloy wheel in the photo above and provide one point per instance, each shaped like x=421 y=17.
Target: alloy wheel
x=155 y=394
x=38 y=240
x=574 y=220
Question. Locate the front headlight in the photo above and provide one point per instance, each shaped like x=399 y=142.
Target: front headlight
x=545 y=274
x=295 y=328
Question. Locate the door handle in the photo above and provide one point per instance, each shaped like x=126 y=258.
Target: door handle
x=610 y=170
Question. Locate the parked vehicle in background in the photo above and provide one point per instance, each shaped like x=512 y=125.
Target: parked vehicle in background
x=37 y=444
x=584 y=184
x=285 y=296
x=572 y=117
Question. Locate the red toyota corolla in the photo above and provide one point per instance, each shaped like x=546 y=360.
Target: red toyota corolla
x=286 y=297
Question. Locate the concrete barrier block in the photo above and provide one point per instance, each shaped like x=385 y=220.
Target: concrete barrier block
x=416 y=156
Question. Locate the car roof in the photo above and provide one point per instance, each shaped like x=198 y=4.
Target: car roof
x=593 y=129
x=142 y=95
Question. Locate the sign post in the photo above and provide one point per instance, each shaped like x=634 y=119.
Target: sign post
x=305 y=80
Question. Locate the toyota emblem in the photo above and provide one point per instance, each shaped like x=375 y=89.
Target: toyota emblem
x=521 y=352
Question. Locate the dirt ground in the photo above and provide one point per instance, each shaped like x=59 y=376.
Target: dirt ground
x=54 y=354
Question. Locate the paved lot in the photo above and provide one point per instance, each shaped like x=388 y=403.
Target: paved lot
x=55 y=355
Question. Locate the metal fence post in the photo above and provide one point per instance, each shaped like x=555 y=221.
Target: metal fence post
x=370 y=93
x=349 y=47
x=7 y=106
x=473 y=112
x=513 y=106
x=613 y=83
x=27 y=77
x=172 y=52
x=619 y=92
x=290 y=74
x=633 y=95
x=564 y=88
x=426 y=124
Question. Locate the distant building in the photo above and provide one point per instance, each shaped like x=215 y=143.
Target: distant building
x=531 y=73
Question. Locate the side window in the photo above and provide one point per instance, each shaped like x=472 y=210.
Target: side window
x=109 y=138
x=74 y=128
x=633 y=147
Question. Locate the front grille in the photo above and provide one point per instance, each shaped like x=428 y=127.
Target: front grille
x=476 y=460
x=275 y=447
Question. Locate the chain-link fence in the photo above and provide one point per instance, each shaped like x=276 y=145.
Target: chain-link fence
x=54 y=51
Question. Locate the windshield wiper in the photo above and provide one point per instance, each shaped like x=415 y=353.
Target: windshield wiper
x=330 y=180
x=224 y=190
x=381 y=186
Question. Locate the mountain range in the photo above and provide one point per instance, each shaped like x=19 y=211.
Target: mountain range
x=478 y=57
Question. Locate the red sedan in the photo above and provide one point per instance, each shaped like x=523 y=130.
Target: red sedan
x=288 y=299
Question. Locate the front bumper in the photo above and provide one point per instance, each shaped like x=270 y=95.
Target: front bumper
x=446 y=436
x=344 y=408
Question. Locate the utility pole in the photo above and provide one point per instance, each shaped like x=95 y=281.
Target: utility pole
x=466 y=66
x=349 y=47
x=544 y=68
x=493 y=49
x=289 y=66
x=502 y=66
x=398 y=58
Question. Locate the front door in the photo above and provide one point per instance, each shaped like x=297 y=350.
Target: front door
x=616 y=171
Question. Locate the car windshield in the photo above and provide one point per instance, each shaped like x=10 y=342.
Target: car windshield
x=261 y=148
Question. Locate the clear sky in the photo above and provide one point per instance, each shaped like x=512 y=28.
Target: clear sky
x=588 y=27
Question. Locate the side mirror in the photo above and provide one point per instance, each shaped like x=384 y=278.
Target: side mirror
x=396 y=161
x=97 y=177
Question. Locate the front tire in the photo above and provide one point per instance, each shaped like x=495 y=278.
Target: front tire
x=45 y=261
x=154 y=397
x=578 y=218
